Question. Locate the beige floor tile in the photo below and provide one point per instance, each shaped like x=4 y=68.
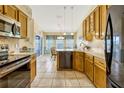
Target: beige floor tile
x=36 y=81
x=72 y=87
x=85 y=82
x=72 y=82
x=45 y=83
x=48 y=76
x=58 y=83
x=80 y=75
x=59 y=75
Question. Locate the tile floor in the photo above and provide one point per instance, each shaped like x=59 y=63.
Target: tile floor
x=49 y=77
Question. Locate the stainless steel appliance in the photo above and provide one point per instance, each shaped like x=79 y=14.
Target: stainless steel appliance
x=3 y=52
x=9 y=27
x=15 y=74
x=114 y=46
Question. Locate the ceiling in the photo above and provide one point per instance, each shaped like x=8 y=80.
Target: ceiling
x=58 y=18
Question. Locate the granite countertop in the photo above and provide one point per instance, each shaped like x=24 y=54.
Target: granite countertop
x=58 y=50
x=94 y=53
x=22 y=53
x=12 y=58
x=91 y=52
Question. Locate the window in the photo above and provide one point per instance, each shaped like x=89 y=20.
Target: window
x=49 y=43
x=69 y=41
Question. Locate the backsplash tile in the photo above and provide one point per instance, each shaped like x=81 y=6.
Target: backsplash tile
x=15 y=44
x=11 y=42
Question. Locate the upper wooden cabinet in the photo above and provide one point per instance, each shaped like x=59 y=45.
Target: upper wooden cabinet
x=10 y=11
x=92 y=22
x=99 y=73
x=84 y=29
x=103 y=18
x=97 y=23
x=22 y=18
x=87 y=25
x=1 y=9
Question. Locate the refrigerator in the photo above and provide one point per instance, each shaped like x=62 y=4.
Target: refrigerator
x=114 y=47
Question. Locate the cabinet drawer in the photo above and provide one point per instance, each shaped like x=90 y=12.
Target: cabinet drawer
x=100 y=62
x=89 y=57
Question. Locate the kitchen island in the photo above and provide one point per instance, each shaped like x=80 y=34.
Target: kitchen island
x=64 y=59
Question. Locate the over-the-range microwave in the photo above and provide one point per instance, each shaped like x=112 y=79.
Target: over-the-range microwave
x=9 y=27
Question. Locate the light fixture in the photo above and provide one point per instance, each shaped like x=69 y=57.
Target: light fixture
x=64 y=33
x=72 y=33
x=60 y=37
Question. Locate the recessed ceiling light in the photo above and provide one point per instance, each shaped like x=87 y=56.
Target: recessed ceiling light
x=72 y=33
x=64 y=33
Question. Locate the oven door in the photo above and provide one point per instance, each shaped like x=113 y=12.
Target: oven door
x=20 y=78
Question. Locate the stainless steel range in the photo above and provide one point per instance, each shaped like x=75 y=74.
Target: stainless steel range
x=14 y=69
x=3 y=52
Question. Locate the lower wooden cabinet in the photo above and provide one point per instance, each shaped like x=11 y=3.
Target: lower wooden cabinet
x=89 y=66
x=78 y=61
x=33 y=67
x=93 y=67
x=99 y=73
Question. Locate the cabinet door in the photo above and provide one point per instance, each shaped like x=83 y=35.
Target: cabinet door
x=74 y=60
x=1 y=9
x=87 y=25
x=99 y=76
x=23 y=20
x=97 y=23
x=10 y=11
x=77 y=63
x=84 y=28
x=33 y=68
x=89 y=70
x=82 y=64
x=92 y=22
x=103 y=16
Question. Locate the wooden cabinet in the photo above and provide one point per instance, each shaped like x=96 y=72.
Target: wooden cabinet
x=22 y=18
x=1 y=9
x=87 y=25
x=10 y=11
x=92 y=22
x=81 y=58
x=33 y=67
x=103 y=18
x=88 y=34
x=78 y=61
x=84 y=29
x=99 y=73
x=97 y=23
x=89 y=66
